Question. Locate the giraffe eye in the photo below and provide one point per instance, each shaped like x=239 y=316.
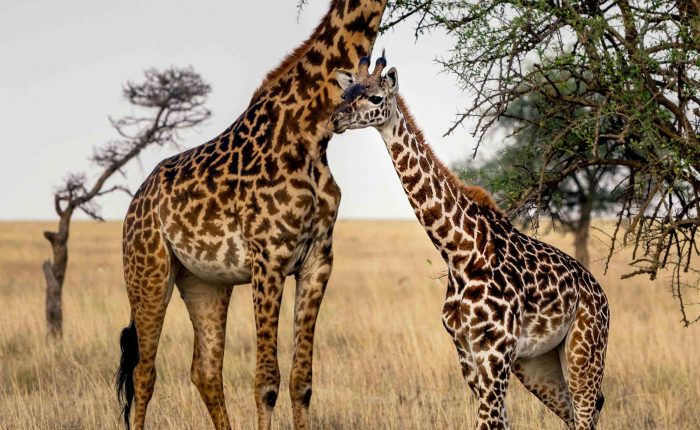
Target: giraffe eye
x=376 y=99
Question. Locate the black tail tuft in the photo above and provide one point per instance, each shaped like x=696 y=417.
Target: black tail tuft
x=125 y=374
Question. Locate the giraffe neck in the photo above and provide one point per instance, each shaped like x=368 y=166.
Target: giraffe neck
x=447 y=209
x=346 y=33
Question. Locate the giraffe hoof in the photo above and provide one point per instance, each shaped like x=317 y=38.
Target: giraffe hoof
x=307 y=398
x=270 y=398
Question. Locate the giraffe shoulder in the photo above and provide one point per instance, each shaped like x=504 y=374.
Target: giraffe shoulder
x=482 y=198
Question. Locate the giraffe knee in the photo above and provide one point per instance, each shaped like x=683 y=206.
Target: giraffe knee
x=267 y=384
x=145 y=373
x=205 y=378
x=270 y=398
x=144 y=381
x=300 y=387
x=307 y=398
x=194 y=377
x=301 y=394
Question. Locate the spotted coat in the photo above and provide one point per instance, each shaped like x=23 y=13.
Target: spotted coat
x=514 y=303
x=255 y=204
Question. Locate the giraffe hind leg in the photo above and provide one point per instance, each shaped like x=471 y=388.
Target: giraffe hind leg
x=149 y=272
x=149 y=325
x=207 y=305
x=583 y=363
x=543 y=377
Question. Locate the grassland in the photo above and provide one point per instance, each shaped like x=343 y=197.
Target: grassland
x=383 y=359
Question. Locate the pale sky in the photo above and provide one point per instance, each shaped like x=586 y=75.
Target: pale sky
x=63 y=64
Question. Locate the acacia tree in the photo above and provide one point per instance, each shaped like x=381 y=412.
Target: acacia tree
x=624 y=77
x=167 y=101
x=571 y=203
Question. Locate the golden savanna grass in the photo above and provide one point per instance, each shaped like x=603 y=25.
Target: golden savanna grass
x=383 y=359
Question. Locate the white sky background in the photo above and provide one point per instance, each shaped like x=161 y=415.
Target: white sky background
x=63 y=63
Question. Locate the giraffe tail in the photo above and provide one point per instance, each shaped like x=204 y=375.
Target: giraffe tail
x=125 y=373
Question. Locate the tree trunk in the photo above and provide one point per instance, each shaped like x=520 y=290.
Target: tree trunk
x=55 y=273
x=54 y=306
x=581 y=232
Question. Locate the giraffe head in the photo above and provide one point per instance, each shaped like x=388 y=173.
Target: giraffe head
x=368 y=99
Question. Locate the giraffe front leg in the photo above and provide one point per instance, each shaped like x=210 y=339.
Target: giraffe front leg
x=311 y=285
x=452 y=320
x=268 y=281
x=492 y=349
x=493 y=370
x=468 y=367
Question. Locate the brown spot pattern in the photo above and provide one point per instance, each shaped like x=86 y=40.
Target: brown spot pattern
x=513 y=303
x=255 y=204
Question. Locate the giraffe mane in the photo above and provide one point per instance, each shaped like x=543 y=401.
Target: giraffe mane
x=474 y=192
x=298 y=52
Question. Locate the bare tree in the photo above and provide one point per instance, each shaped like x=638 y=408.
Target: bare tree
x=169 y=101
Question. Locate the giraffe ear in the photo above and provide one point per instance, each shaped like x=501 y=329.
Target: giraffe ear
x=344 y=78
x=392 y=81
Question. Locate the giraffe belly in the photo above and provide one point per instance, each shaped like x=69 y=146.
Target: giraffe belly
x=540 y=337
x=225 y=258
x=222 y=258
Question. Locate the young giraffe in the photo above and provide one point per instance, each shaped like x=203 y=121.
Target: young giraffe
x=513 y=303
x=255 y=204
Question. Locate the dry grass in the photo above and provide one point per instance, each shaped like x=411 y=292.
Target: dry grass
x=383 y=359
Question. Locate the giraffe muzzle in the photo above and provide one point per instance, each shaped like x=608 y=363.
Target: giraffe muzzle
x=339 y=121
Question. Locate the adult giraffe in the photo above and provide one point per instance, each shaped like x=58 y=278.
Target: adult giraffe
x=255 y=204
x=513 y=303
